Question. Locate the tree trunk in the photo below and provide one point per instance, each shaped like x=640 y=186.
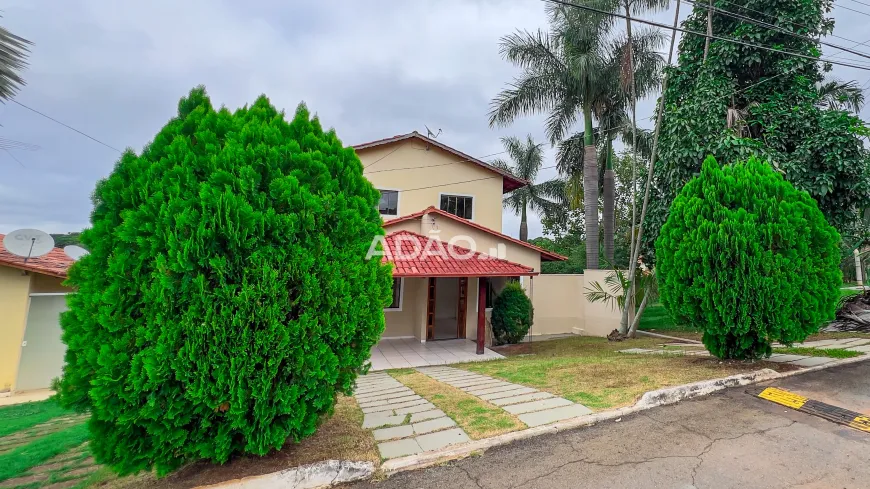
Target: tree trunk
x=632 y=332
x=609 y=214
x=623 y=324
x=524 y=226
x=590 y=192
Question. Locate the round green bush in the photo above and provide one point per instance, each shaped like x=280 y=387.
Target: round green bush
x=747 y=259
x=226 y=299
x=511 y=315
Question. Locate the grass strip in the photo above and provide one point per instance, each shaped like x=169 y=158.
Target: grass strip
x=23 y=416
x=818 y=352
x=477 y=417
x=25 y=457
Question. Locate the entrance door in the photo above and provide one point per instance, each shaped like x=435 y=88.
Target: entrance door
x=42 y=350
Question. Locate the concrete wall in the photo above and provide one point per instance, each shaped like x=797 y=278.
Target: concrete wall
x=14 y=299
x=405 y=323
x=432 y=168
x=559 y=304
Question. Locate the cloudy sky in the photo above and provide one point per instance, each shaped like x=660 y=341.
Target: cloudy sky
x=116 y=69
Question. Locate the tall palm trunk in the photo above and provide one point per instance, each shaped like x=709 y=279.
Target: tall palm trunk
x=608 y=197
x=590 y=191
x=524 y=225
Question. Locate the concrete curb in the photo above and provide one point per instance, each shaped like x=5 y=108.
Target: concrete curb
x=321 y=474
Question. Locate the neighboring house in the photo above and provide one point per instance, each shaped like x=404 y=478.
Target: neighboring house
x=434 y=197
x=32 y=297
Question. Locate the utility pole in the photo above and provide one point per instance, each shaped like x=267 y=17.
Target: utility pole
x=709 y=28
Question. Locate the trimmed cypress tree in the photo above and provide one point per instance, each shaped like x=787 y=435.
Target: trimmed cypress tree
x=512 y=315
x=747 y=259
x=226 y=299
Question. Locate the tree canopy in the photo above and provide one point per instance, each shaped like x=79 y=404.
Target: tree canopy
x=744 y=101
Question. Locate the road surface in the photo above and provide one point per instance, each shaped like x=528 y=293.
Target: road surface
x=729 y=440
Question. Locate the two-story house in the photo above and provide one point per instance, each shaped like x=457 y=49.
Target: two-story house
x=442 y=212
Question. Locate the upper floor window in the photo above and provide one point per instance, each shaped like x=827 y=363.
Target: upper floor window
x=389 y=204
x=458 y=205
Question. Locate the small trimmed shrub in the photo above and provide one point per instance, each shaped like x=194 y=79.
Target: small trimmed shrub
x=747 y=259
x=512 y=315
x=226 y=299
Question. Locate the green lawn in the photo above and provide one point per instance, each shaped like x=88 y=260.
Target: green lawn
x=818 y=352
x=43 y=446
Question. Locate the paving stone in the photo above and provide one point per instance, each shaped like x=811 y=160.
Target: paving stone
x=456 y=377
x=399 y=448
x=508 y=393
x=780 y=358
x=387 y=395
x=812 y=361
x=528 y=407
x=862 y=349
x=379 y=388
x=81 y=471
x=821 y=343
x=854 y=342
x=403 y=431
x=539 y=418
x=535 y=396
x=471 y=383
x=394 y=407
x=419 y=408
x=384 y=402
x=20 y=481
x=441 y=439
x=634 y=350
x=47 y=467
x=424 y=415
x=376 y=421
x=505 y=386
x=433 y=425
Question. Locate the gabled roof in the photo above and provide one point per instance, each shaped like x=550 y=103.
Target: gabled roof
x=509 y=182
x=54 y=263
x=415 y=255
x=545 y=254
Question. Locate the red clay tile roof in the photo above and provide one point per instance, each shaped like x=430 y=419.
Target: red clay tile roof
x=509 y=183
x=54 y=263
x=545 y=254
x=415 y=255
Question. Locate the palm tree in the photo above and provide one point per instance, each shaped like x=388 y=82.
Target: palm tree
x=838 y=95
x=13 y=59
x=563 y=73
x=546 y=198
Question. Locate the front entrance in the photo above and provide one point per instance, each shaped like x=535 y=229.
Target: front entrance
x=446 y=308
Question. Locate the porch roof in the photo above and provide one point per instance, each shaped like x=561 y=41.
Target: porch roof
x=415 y=255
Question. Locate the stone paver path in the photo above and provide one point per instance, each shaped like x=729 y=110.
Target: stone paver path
x=531 y=406
x=402 y=422
x=861 y=345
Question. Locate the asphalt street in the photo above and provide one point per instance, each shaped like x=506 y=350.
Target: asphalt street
x=728 y=440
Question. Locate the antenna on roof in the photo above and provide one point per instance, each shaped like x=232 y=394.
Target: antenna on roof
x=430 y=134
x=29 y=243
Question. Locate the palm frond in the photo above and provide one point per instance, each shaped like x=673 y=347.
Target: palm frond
x=13 y=59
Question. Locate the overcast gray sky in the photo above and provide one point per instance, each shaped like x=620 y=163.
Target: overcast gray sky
x=116 y=69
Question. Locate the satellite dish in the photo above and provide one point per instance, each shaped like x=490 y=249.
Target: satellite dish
x=75 y=252
x=28 y=243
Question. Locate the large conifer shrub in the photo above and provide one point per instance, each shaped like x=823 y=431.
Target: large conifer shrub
x=226 y=298
x=747 y=259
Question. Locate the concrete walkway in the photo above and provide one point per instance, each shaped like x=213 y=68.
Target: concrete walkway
x=861 y=345
x=531 y=406
x=410 y=352
x=403 y=423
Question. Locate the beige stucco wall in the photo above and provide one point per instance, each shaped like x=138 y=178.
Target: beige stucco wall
x=46 y=283
x=14 y=298
x=559 y=304
x=432 y=168
x=406 y=322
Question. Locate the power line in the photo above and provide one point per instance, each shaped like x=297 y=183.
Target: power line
x=687 y=31
x=775 y=27
x=67 y=126
x=853 y=10
x=862 y=3
x=382 y=157
x=466 y=181
x=14 y=158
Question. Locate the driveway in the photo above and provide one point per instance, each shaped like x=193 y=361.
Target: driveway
x=728 y=440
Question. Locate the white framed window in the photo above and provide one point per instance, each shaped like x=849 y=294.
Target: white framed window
x=398 y=295
x=458 y=205
x=389 y=203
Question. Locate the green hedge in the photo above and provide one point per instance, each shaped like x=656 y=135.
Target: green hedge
x=512 y=315
x=226 y=298
x=747 y=259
